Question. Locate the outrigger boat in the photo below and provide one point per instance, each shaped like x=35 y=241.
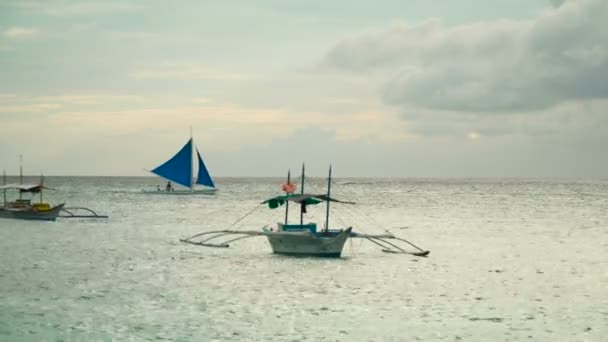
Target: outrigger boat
x=180 y=169
x=303 y=239
x=24 y=209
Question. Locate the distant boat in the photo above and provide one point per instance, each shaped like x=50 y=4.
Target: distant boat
x=180 y=169
x=24 y=209
x=302 y=239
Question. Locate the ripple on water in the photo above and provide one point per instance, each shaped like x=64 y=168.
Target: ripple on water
x=498 y=268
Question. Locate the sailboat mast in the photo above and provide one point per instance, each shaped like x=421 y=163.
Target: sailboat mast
x=287 y=193
x=191 y=160
x=302 y=192
x=328 y=200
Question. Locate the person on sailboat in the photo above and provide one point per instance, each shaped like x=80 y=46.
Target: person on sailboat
x=169 y=187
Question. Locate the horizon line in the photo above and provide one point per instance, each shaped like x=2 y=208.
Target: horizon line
x=310 y=176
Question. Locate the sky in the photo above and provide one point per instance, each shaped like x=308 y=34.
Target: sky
x=468 y=88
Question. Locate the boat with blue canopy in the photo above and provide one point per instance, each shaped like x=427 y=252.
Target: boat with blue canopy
x=180 y=170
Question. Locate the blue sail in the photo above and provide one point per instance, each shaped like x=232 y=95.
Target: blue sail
x=179 y=168
x=203 y=175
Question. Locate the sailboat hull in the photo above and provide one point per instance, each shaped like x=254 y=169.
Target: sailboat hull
x=307 y=243
x=182 y=192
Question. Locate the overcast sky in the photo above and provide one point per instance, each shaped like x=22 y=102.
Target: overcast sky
x=468 y=88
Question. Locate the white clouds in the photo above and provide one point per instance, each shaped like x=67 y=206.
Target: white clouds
x=510 y=97
x=28 y=108
x=344 y=101
x=147 y=127
x=473 y=136
x=504 y=66
x=557 y=3
x=23 y=104
x=91 y=99
x=562 y=121
x=187 y=71
x=21 y=32
x=201 y=100
x=75 y=8
x=425 y=87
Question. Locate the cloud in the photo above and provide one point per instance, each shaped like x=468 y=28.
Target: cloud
x=49 y=104
x=492 y=67
x=566 y=122
x=28 y=108
x=187 y=71
x=201 y=100
x=344 y=101
x=128 y=125
x=74 y=8
x=21 y=32
x=90 y=99
x=470 y=156
x=557 y=3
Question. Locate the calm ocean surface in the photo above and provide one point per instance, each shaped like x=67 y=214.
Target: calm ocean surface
x=511 y=260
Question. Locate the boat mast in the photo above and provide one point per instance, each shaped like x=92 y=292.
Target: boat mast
x=302 y=192
x=20 y=172
x=287 y=194
x=328 y=200
x=4 y=183
x=41 y=186
x=191 y=160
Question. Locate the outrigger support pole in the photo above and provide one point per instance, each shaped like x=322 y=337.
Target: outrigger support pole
x=75 y=212
x=392 y=248
x=219 y=233
x=222 y=238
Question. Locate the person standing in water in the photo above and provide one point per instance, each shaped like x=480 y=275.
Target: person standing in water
x=169 y=187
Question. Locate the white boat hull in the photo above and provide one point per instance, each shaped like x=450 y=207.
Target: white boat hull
x=181 y=192
x=30 y=213
x=305 y=243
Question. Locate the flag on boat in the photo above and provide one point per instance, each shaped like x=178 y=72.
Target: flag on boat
x=289 y=187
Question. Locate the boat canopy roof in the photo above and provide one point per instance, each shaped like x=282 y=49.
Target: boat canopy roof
x=24 y=187
x=305 y=199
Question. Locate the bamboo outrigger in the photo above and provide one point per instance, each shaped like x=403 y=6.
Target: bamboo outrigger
x=79 y=212
x=216 y=235
x=303 y=239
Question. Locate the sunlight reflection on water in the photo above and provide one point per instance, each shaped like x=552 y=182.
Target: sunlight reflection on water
x=509 y=259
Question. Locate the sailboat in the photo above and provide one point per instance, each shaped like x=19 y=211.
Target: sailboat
x=303 y=239
x=179 y=170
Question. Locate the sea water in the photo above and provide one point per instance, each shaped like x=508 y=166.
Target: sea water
x=511 y=260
